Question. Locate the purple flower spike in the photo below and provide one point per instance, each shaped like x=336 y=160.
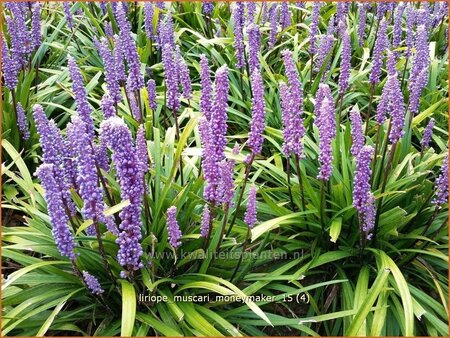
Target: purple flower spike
x=92 y=283
x=10 y=67
x=141 y=148
x=183 y=75
x=213 y=135
x=361 y=184
x=151 y=90
x=357 y=132
x=112 y=82
x=326 y=45
x=361 y=23
x=68 y=14
x=441 y=196
x=397 y=30
x=428 y=132
x=206 y=87
x=206 y=220
x=88 y=181
x=381 y=44
x=344 y=75
x=83 y=108
x=254 y=44
x=171 y=76
x=327 y=130
x=292 y=104
x=273 y=18
x=118 y=60
x=36 y=24
x=314 y=27
x=251 y=10
x=22 y=122
x=419 y=69
x=55 y=205
x=54 y=150
x=257 y=124
x=250 y=213
x=226 y=184
x=148 y=21
x=410 y=21
x=136 y=80
x=238 y=20
x=173 y=228
x=285 y=15
x=129 y=173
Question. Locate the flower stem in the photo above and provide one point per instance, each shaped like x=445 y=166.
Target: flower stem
x=244 y=246
x=300 y=181
x=383 y=187
x=241 y=194
x=288 y=174
x=369 y=108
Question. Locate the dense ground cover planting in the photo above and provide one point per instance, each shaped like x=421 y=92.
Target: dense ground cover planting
x=208 y=169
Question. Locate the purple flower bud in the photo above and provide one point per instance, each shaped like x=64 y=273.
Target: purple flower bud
x=22 y=122
x=251 y=10
x=314 y=27
x=68 y=14
x=206 y=87
x=257 y=124
x=238 y=20
x=112 y=82
x=357 y=132
x=92 y=283
x=130 y=176
x=369 y=216
x=285 y=15
x=206 y=220
x=361 y=23
x=207 y=8
x=250 y=212
x=254 y=44
x=344 y=75
x=109 y=31
x=55 y=205
x=361 y=184
x=173 y=228
x=151 y=90
x=83 y=108
x=381 y=44
x=273 y=18
x=441 y=190
x=36 y=24
x=427 y=133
